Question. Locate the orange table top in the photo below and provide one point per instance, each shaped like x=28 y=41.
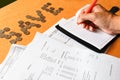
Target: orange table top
x=13 y=13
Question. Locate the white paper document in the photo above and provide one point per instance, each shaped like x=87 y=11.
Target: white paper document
x=55 y=34
x=48 y=59
x=98 y=39
x=14 y=53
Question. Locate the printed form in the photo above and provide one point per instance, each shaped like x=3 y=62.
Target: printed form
x=46 y=58
x=14 y=53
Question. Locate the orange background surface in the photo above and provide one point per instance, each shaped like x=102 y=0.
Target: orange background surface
x=11 y=14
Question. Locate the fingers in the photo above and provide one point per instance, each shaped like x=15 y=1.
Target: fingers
x=91 y=28
x=86 y=17
x=79 y=20
x=82 y=17
x=88 y=27
x=91 y=21
x=86 y=21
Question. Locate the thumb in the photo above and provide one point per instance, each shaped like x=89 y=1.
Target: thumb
x=86 y=17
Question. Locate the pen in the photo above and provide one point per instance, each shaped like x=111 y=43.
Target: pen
x=88 y=11
x=91 y=6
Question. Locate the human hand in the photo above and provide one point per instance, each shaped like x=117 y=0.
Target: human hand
x=99 y=16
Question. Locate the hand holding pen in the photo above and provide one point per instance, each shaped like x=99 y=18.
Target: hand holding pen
x=87 y=23
x=96 y=16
